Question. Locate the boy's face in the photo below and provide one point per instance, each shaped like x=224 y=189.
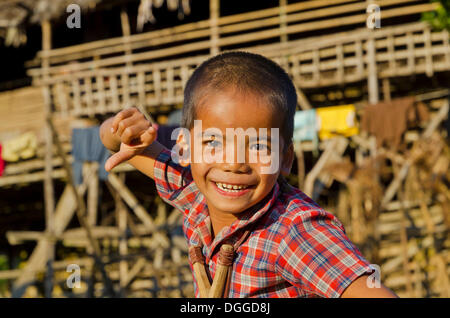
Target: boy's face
x=250 y=183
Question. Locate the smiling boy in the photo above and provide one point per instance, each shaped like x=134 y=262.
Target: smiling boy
x=288 y=245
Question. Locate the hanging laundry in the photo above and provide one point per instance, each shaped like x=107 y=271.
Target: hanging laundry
x=21 y=147
x=2 y=162
x=87 y=146
x=305 y=125
x=336 y=121
x=388 y=121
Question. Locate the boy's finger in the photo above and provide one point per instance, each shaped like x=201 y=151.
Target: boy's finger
x=149 y=136
x=118 y=158
x=120 y=116
x=132 y=132
x=128 y=122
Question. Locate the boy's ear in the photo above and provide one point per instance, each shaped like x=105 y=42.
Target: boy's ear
x=288 y=159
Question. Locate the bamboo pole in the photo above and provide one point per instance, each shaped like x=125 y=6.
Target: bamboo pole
x=283 y=20
x=63 y=214
x=214 y=14
x=372 y=78
x=92 y=197
x=49 y=198
x=81 y=212
x=334 y=147
x=125 y=23
x=386 y=89
x=131 y=201
x=121 y=215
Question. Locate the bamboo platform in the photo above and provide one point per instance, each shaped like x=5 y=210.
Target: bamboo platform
x=399 y=51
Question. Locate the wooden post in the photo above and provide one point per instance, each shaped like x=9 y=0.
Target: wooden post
x=90 y=174
x=121 y=214
x=126 y=32
x=283 y=23
x=214 y=13
x=446 y=42
x=386 y=89
x=92 y=198
x=410 y=49
x=404 y=244
x=340 y=71
x=428 y=52
x=372 y=78
x=81 y=210
x=49 y=196
x=391 y=52
x=302 y=100
x=360 y=58
x=283 y=34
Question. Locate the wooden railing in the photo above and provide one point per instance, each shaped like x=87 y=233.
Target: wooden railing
x=342 y=58
x=241 y=30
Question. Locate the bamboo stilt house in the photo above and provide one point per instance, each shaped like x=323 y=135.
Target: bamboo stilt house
x=393 y=201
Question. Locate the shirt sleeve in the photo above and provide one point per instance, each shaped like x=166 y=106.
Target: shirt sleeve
x=317 y=256
x=174 y=182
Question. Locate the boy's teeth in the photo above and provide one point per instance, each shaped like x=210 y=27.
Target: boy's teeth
x=230 y=187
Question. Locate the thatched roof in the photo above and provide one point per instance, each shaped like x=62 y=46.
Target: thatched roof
x=145 y=13
x=15 y=14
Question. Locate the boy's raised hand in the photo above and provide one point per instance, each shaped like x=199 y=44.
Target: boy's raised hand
x=135 y=132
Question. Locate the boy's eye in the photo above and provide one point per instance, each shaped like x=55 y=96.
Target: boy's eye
x=212 y=143
x=259 y=147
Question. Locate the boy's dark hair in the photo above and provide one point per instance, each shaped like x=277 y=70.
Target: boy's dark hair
x=244 y=71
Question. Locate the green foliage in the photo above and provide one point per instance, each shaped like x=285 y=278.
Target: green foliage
x=440 y=18
x=3 y=266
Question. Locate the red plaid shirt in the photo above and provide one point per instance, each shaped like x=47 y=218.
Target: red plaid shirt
x=295 y=249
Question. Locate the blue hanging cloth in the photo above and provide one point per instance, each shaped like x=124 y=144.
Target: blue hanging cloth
x=305 y=128
x=87 y=146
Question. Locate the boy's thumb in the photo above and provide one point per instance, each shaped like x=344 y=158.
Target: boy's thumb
x=118 y=158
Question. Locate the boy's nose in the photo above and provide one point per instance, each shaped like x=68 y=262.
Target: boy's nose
x=235 y=159
x=235 y=167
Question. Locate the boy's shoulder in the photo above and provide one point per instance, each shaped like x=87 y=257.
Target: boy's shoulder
x=296 y=209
